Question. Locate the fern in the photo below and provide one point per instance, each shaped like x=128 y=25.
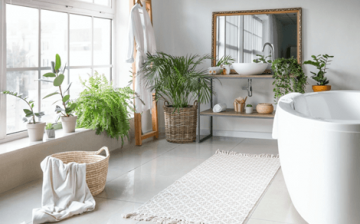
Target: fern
x=103 y=108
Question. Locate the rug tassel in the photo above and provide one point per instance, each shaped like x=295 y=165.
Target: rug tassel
x=232 y=153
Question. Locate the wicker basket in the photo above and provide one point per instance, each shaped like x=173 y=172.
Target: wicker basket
x=180 y=125
x=96 y=166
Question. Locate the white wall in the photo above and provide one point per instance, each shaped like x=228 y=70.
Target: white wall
x=329 y=26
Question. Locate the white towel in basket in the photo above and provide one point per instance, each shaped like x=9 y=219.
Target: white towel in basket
x=64 y=192
x=219 y=107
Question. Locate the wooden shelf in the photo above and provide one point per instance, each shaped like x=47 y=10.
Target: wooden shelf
x=231 y=113
x=235 y=76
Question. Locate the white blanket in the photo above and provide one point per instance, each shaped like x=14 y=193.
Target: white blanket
x=64 y=192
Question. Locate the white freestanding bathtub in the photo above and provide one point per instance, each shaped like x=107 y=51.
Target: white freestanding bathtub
x=319 y=145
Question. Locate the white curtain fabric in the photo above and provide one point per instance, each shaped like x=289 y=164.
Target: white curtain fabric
x=141 y=29
x=64 y=192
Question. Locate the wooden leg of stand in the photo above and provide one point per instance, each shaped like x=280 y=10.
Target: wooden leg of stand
x=154 y=116
x=137 y=120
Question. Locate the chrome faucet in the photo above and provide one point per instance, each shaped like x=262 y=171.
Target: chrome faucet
x=271 y=51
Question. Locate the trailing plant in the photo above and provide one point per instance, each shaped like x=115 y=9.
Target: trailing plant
x=225 y=60
x=289 y=77
x=57 y=82
x=320 y=62
x=176 y=79
x=49 y=126
x=248 y=105
x=102 y=107
x=262 y=59
x=29 y=113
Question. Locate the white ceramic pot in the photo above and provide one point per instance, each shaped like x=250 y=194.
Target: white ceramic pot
x=248 y=110
x=36 y=131
x=227 y=69
x=69 y=123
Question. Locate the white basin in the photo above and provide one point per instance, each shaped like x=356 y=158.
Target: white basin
x=250 y=68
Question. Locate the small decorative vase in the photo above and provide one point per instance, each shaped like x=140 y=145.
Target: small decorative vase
x=226 y=69
x=265 y=108
x=69 y=124
x=50 y=133
x=317 y=88
x=36 y=131
x=248 y=110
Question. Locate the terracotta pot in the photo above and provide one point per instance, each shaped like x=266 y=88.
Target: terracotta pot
x=36 y=131
x=69 y=124
x=321 y=88
x=264 y=108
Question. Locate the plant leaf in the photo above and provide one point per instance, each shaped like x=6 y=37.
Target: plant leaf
x=25 y=119
x=58 y=109
x=50 y=74
x=26 y=111
x=67 y=88
x=59 y=80
x=40 y=114
x=51 y=94
x=66 y=98
x=57 y=62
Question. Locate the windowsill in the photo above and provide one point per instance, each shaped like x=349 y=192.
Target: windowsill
x=25 y=142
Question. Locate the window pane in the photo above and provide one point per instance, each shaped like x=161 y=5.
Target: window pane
x=80 y=40
x=103 y=71
x=23 y=83
x=22 y=33
x=102 y=42
x=77 y=87
x=53 y=37
x=103 y=2
x=47 y=105
x=86 y=1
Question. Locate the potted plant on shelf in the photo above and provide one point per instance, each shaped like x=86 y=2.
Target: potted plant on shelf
x=115 y=103
x=35 y=129
x=50 y=130
x=66 y=109
x=180 y=84
x=288 y=77
x=263 y=59
x=225 y=62
x=249 y=109
x=320 y=62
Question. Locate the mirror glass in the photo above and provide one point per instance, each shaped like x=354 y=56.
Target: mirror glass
x=244 y=36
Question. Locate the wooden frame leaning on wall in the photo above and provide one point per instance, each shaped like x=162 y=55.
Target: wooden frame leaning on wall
x=298 y=11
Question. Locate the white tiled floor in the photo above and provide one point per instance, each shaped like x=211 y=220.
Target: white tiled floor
x=136 y=174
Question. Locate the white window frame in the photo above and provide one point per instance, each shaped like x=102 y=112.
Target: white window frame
x=66 y=6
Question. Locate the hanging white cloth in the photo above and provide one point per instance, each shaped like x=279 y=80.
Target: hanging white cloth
x=141 y=29
x=64 y=192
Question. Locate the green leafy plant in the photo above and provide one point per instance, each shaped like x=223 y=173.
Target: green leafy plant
x=29 y=113
x=262 y=59
x=49 y=126
x=289 y=77
x=225 y=60
x=248 y=105
x=176 y=79
x=57 y=82
x=102 y=107
x=320 y=62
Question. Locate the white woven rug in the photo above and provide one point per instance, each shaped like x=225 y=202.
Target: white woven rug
x=223 y=189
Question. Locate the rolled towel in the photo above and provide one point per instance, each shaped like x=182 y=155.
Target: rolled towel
x=215 y=70
x=219 y=108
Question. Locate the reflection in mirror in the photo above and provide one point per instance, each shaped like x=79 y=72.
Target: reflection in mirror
x=244 y=36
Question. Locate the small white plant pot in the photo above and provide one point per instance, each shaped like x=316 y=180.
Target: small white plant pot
x=69 y=123
x=36 y=131
x=248 y=110
x=50 y=133
x=227 y=69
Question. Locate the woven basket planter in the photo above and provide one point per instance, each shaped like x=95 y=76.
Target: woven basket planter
x=180 y=125
x=96 y=166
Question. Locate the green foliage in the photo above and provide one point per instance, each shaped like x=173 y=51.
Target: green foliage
x=225 y=60
x=289 y=77
x=57 y=82
x=262 y=59
x=101 y=107
x=28 y=113
x=248 y=105
x=176 y=79
x=320 y=62
x=49 y=126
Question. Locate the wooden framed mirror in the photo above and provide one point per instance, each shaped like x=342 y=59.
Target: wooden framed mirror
x=242 y=34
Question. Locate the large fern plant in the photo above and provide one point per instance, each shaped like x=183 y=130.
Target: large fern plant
x=176 y=79
x=103 y=108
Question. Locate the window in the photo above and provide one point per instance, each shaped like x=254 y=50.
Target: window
x=252 y=37
x=83 y=42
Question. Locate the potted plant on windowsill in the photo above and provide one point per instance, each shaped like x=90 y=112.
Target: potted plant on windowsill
x=180 y=84
x=50 y=130
x=35 y=129
x=66 y=109
x=320 y=62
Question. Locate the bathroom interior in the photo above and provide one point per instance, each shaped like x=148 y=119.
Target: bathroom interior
x=164 y=111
